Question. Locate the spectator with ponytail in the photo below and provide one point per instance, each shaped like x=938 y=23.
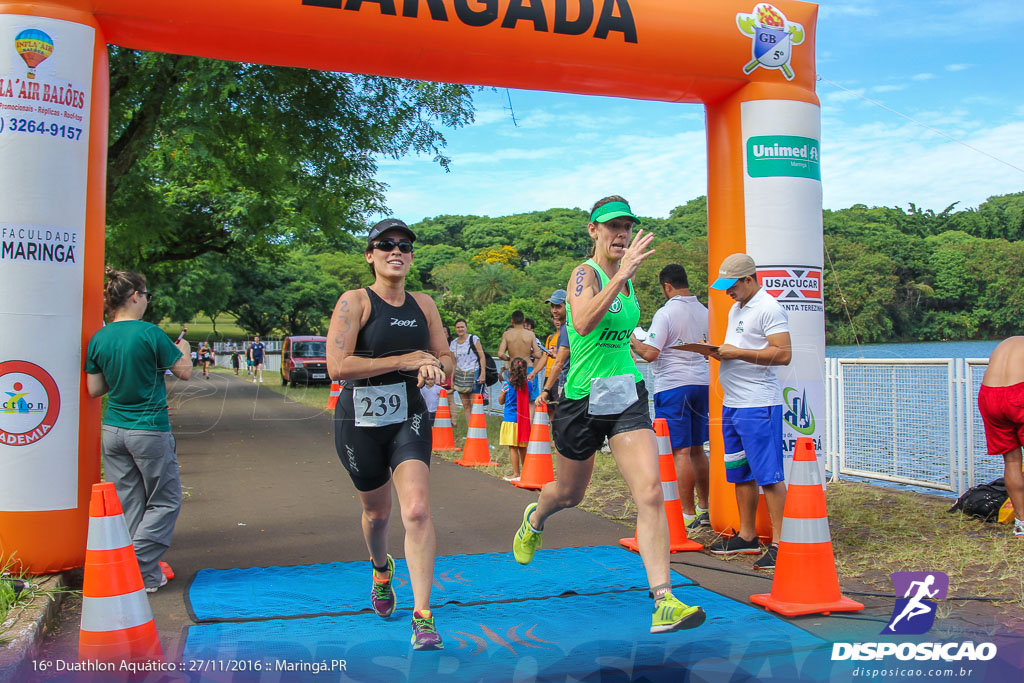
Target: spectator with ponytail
x=127 y=359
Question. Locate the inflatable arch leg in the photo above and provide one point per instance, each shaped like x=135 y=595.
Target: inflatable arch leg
x=52 y=198
x=770 y=209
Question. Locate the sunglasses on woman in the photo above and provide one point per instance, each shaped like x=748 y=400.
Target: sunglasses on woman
x=148 y=295
x=390 y=244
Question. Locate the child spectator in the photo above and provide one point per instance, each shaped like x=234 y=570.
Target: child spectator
x=431 y=393
x=515 y=429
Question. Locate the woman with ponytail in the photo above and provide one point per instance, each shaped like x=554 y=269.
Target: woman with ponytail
x=127 y=359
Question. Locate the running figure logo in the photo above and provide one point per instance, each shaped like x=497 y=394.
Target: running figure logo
x=914 y=613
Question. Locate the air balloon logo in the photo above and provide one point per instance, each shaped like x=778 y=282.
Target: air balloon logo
x=34 y=46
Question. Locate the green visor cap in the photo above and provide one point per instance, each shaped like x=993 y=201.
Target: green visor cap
x=606 y=212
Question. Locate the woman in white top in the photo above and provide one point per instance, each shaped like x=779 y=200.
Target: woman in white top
x=470 y=365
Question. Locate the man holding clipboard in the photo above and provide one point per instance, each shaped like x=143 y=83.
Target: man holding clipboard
x=681 y=385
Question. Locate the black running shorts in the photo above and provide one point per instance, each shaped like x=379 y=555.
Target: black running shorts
x=577 y=434
x=370 y=454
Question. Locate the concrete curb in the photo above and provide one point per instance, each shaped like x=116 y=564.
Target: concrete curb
x=22 y=633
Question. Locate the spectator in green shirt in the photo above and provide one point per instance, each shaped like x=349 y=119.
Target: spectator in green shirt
x=127 y=359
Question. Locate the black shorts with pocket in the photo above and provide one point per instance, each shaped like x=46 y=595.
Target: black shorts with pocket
x=578 y=435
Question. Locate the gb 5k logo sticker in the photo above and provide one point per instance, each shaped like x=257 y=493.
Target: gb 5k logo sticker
x=774 y=38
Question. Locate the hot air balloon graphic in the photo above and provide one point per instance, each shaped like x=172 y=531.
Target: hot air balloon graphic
x=34 y=46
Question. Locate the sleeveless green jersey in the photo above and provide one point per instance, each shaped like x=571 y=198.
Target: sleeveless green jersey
x=605 y=351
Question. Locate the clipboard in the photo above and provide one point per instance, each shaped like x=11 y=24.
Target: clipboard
x=696 y=347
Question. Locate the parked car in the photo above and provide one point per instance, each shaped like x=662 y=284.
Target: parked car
x=304 y=360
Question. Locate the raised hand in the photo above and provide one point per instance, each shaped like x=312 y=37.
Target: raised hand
x=636 y=254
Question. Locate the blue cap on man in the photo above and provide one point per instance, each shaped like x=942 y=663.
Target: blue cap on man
x=734 y=267
x=557 y=297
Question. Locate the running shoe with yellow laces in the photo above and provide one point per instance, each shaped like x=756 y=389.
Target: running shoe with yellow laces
x=527 y=540
x=672 y=615
x=424 y=633
x=382 y=594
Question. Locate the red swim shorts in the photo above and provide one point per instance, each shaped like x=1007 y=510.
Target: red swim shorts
x=1002 y=410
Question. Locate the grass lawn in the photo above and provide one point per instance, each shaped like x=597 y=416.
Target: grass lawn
x=875 y=530
x=201 y=329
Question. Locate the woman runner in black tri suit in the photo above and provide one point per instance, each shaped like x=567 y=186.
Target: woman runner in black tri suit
x=386 y=342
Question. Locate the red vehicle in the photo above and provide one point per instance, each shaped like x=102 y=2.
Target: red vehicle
x=304 y=359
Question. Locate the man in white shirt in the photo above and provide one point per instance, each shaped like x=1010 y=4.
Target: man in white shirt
x=681 y=386
x=756 y=340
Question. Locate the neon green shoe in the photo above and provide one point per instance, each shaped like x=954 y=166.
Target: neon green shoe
x=527 y=541
x=672 y=615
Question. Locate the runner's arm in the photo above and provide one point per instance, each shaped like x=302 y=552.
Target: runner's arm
x=561 y=356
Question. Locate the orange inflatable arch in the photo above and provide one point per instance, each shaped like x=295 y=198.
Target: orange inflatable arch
x=750 y=63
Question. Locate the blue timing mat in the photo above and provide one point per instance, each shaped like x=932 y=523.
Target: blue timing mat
x=595 y=637
x=344 y=587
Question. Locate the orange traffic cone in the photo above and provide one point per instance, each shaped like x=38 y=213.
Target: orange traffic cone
x=678 y=541
x=805 y=580
x=476 y=451
x=117 y=623
x=443 y=436
x=537 y=467
x=332 y=400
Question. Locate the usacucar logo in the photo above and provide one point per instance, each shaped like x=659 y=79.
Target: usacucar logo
x=29 y=403
x=796 y=288
x=774 y=38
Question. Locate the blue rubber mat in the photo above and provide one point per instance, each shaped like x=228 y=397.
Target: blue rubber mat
x=600 y=637
x=344 y=587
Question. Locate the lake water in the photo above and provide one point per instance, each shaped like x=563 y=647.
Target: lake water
x=950 y=349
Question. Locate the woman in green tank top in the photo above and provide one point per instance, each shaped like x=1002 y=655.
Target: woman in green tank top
x=605 y=397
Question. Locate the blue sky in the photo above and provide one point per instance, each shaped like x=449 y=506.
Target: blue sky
x=949 y=65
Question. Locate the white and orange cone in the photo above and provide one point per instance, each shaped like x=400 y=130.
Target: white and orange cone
x=117 y=622
x=476 y=451
x=443 y=435
x=537 y=467
x=678 y=541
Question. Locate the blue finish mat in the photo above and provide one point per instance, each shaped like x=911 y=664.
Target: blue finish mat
x=344 y=587
x=602 y=637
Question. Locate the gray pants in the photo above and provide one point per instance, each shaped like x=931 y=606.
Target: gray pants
x=143 y=466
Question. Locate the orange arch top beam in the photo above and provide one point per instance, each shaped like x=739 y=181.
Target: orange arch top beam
x=667 y=50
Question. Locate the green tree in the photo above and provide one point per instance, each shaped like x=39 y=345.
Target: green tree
x=213 y=156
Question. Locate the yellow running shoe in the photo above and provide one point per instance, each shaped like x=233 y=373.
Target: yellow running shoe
x=527 y=541
x=672 y=615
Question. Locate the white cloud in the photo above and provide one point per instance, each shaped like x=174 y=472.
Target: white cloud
x=892 y=165
x=958 y=67
x=923 y=77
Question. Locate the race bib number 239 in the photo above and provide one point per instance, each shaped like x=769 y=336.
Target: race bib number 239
x=381 y=405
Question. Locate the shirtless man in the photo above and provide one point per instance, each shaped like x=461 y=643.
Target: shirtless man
x=1000 y=402
x=519 y=342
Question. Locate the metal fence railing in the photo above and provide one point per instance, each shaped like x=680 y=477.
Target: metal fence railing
x=912 y=421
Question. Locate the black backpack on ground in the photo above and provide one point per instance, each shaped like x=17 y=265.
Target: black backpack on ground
x=982 y=501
